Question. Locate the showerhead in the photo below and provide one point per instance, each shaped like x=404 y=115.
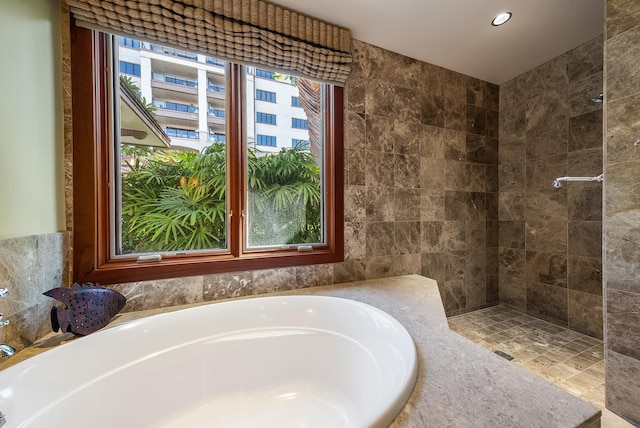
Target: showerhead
x=597 y=100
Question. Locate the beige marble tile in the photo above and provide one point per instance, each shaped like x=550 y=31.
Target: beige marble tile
x=581 y=383
x=623 y=385
x=226 y=286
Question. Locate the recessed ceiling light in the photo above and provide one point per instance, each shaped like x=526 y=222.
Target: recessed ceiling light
x=501 y=18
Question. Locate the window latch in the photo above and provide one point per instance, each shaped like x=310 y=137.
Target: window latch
x=146 y=258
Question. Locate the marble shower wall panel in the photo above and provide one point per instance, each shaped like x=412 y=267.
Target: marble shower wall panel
x=29 y=266
x=549 y=239
x=622 y=207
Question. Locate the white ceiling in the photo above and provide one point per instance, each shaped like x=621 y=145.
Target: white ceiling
x=457 y=34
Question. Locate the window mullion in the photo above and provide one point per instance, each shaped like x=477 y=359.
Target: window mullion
x=236 y=164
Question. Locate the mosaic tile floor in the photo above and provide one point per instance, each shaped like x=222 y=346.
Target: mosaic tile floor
x=570 y=360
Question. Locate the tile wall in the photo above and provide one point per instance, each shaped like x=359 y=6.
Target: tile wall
x=622 y=207
x=29 y=266
x=550 y=240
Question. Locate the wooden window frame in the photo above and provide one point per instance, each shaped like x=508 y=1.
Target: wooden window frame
x=91 y=201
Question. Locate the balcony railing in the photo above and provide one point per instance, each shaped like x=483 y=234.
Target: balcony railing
x=167 y=105
x=181 y=133
x=216 y=112
x=215 y=61
x=217 y=138
x=175 y=80
x=171 y=51
x=216 y=88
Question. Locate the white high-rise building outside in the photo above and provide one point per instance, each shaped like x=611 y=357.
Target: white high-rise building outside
x=188 y=91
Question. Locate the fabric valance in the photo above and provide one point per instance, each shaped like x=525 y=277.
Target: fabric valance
x=251 y=32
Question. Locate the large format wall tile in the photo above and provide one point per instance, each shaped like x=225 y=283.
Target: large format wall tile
x=623 y=194
x=623 y=130
x=585 y=274
x=623 y=57
x=585 y=60
x=30 y=266
x=584 y=202
x=581 y=94
x=622 y=257
x=547 y=268
x=623 y=323
x=585 y=131
x=585 y=313
x=623 y=385
x=621 y=15
x=547 y=301
x=585 y=238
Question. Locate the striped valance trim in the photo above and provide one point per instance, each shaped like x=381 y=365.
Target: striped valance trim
x=245 y=31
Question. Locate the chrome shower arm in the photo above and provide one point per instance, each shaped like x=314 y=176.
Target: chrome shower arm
x=558 y=181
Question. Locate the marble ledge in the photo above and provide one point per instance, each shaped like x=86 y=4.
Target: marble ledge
x=459 y=383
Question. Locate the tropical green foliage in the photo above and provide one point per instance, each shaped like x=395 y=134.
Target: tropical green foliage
x=126 y=80
x=174 y=200
x=284 y=198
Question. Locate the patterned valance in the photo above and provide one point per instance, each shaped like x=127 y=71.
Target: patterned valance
x=251 y=32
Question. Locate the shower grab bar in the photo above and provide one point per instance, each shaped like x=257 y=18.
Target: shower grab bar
x=558 y=181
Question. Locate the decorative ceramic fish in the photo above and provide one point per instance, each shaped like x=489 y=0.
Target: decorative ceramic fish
x=88 y=308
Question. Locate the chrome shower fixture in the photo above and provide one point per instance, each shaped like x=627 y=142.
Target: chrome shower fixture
x=598 y=100
x=6 y=350
x=557 y=183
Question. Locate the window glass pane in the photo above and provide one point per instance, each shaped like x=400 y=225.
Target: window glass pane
x=267 y=96
x=170 y=154
x=269 y=119
x=285 y=158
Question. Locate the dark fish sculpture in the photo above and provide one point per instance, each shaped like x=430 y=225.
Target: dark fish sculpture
x=87 y=308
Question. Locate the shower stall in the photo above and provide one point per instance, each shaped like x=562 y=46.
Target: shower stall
x=550 y=200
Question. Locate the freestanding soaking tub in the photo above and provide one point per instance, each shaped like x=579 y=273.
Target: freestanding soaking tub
x=291 y=361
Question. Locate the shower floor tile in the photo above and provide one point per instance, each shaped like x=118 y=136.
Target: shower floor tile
x=568 y=359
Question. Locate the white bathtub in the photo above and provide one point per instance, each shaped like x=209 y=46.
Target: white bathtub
x=293 y=361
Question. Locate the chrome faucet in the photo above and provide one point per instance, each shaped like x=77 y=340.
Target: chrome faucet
x=3 y=293
x=3 y=323
x=6 y=350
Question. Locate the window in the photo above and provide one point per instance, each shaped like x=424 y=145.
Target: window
x=180 y=81
x=173 y=52
x=269 y=119
x=217 y=138
x=267 y=96
x=295 y=102
x=215 y=61
x=129 y=68
x=266 y=140
x=301 y=144
x=168 y=105
x=181 y=133
x=265 y=74
x=241 y=229
x=299 y=123
x=216 y=112
x=130 y=43
x=215 y=88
